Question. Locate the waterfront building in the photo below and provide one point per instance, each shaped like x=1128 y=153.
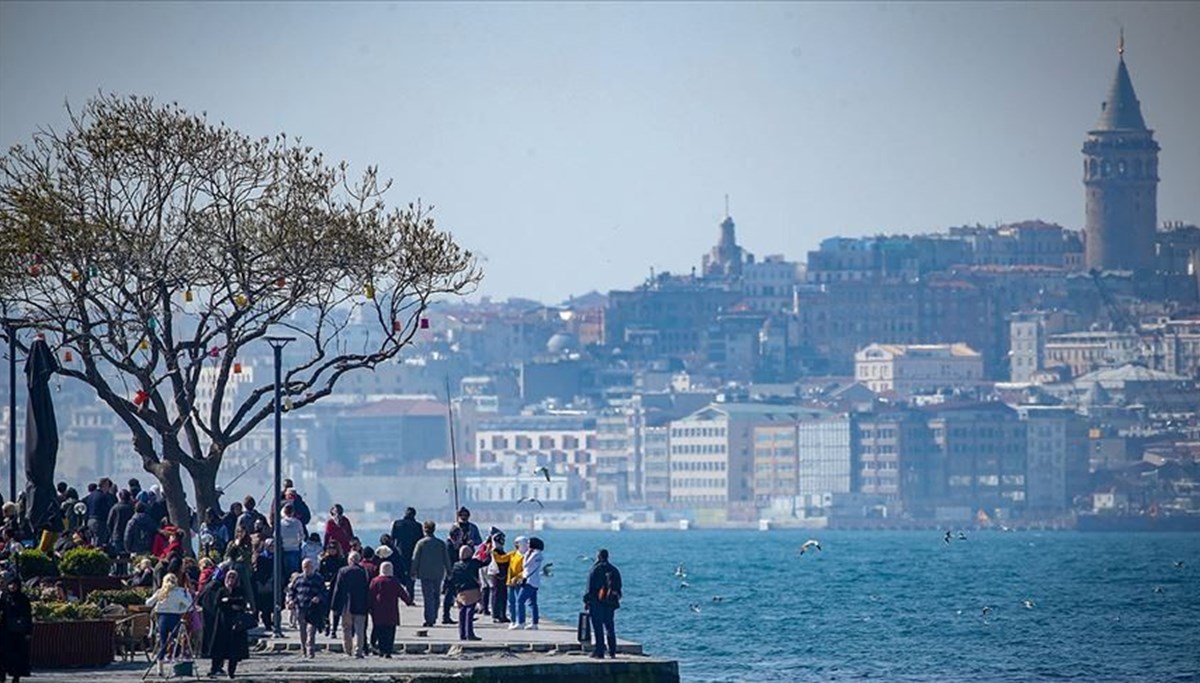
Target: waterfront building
x=1056 y=457
x=980 y=450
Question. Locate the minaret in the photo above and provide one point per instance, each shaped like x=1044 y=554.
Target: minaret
x=1120 y=178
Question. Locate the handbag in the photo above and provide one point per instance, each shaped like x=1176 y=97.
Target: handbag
x=468 y=597
x=583 y=632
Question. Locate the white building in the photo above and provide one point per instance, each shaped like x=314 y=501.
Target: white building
x=1056 y=456
x=563 y=442
x=823 y=455
x=907 y=369
x=712 y=452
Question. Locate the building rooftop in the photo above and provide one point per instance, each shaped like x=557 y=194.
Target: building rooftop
x=1121 y=110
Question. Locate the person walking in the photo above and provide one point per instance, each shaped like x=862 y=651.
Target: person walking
x=351 y=599
x=430 y=566
x=602 y=599
x=386 y=593
x=406 y=532
x=464 y=585
x=16 y=629
x=118 y=519
x=531 y=580
x=470 y=532
x=338 y=527
x=308 y=597
x=229 y=613
x=291 y=537
x=170 y=602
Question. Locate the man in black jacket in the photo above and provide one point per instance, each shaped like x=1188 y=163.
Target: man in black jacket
x=405 y=534
x=602 y=599
x=140 y=531
x=118 y=519
x=351 y=600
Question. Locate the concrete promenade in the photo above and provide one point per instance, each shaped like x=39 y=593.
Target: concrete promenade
x=550 y=654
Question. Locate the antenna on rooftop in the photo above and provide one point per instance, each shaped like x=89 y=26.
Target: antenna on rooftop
x=727 y=205
x=1121 y=43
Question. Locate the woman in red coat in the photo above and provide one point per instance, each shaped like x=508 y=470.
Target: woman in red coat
x=337 y=528
x=386 y=592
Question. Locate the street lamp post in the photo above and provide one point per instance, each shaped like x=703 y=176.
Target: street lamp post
x=10 y=331
x=277 y=344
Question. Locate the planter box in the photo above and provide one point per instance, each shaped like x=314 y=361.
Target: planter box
x=82 y=585
x=66 y=644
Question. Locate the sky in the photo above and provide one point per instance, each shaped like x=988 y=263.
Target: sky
x=576 y=147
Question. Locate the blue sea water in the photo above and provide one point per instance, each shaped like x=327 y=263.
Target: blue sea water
x=899 y=606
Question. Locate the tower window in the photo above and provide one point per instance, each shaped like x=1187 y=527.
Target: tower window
x=1106 y=169
x=1121 y=168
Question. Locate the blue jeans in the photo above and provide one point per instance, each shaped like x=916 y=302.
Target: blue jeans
x=166 y=631
x=528 y=595
x=291 y=563
x=514 y=592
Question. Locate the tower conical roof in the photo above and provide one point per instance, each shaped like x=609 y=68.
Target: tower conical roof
x=1121 y=110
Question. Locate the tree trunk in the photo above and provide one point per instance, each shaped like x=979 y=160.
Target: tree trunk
x=167 y=473
x=204 y=479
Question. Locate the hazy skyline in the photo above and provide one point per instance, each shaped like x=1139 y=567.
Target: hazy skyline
x=577 y=146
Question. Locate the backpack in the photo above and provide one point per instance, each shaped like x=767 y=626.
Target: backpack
x=608 y=593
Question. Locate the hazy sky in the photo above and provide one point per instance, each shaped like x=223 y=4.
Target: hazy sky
x=576 y=146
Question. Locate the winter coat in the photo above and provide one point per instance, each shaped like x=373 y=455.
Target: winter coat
x=431 y=561
x=351 y=590
x=604 y=586
x=118 y=520
x=291 y=533
x=329 y=566
x=341 y=531
x=532 y=570
x=516 y=564
x=386 y=592
x=15 y=611
x=225 y=611
x=464 y=575
x=307 y=592
x=177 y=601
x=406 y=533
x=140 y=533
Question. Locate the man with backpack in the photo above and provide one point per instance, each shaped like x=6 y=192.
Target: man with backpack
x=602 y=599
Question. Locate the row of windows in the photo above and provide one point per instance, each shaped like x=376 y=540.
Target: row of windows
x=698 y=449
x=679 y=432
x=697 y=467
x=708 y=483
x=524 y=443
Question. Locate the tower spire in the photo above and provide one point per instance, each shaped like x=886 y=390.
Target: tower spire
x=1121 y=44
x=727 y=205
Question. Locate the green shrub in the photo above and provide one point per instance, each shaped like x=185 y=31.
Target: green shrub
x=85 y=562
x=49 y=612
x=126 y=597
x=35 y=563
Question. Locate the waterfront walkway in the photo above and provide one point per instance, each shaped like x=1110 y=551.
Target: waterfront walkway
x=550 y=654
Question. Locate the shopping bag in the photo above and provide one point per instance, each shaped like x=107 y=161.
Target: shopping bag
x=583 y=632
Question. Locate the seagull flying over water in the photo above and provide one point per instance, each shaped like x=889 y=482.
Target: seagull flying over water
x=544 y=471
x=1029 y=604
x=1178 y=565
x=586 y=558
x=718 y=598
x=681 y=571
x=985 y=611
x=684 y=584
x=947 y=538
x=962 y=536
x=548 y=569
x=531 y=499
x=810 y=543
x=1159 y=589
x=694 y=607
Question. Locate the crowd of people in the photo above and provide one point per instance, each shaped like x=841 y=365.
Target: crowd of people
x=221 y=588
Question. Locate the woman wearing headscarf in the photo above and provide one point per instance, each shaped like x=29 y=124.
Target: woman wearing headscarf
x=464 y=586
x=16 y=629
x=240 y=553
x=386 y=592
x=170 y=602
x=225 y=607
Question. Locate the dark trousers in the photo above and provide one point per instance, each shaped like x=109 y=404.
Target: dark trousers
x=466 y=622
x=431 y=592
x=499 y=600
x=447 y=602
x=602 y=630
x=385 y=638
x=219 y=662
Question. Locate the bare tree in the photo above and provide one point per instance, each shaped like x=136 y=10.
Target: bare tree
x=154 y=246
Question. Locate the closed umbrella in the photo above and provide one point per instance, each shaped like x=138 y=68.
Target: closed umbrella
x=41 y=441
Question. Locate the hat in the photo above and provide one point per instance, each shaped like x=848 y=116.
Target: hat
x=464 y=511
x=383 y=552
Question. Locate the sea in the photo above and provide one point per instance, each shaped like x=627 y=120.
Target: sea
x=897 y=605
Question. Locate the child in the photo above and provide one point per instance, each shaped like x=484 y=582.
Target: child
x=311 y=549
